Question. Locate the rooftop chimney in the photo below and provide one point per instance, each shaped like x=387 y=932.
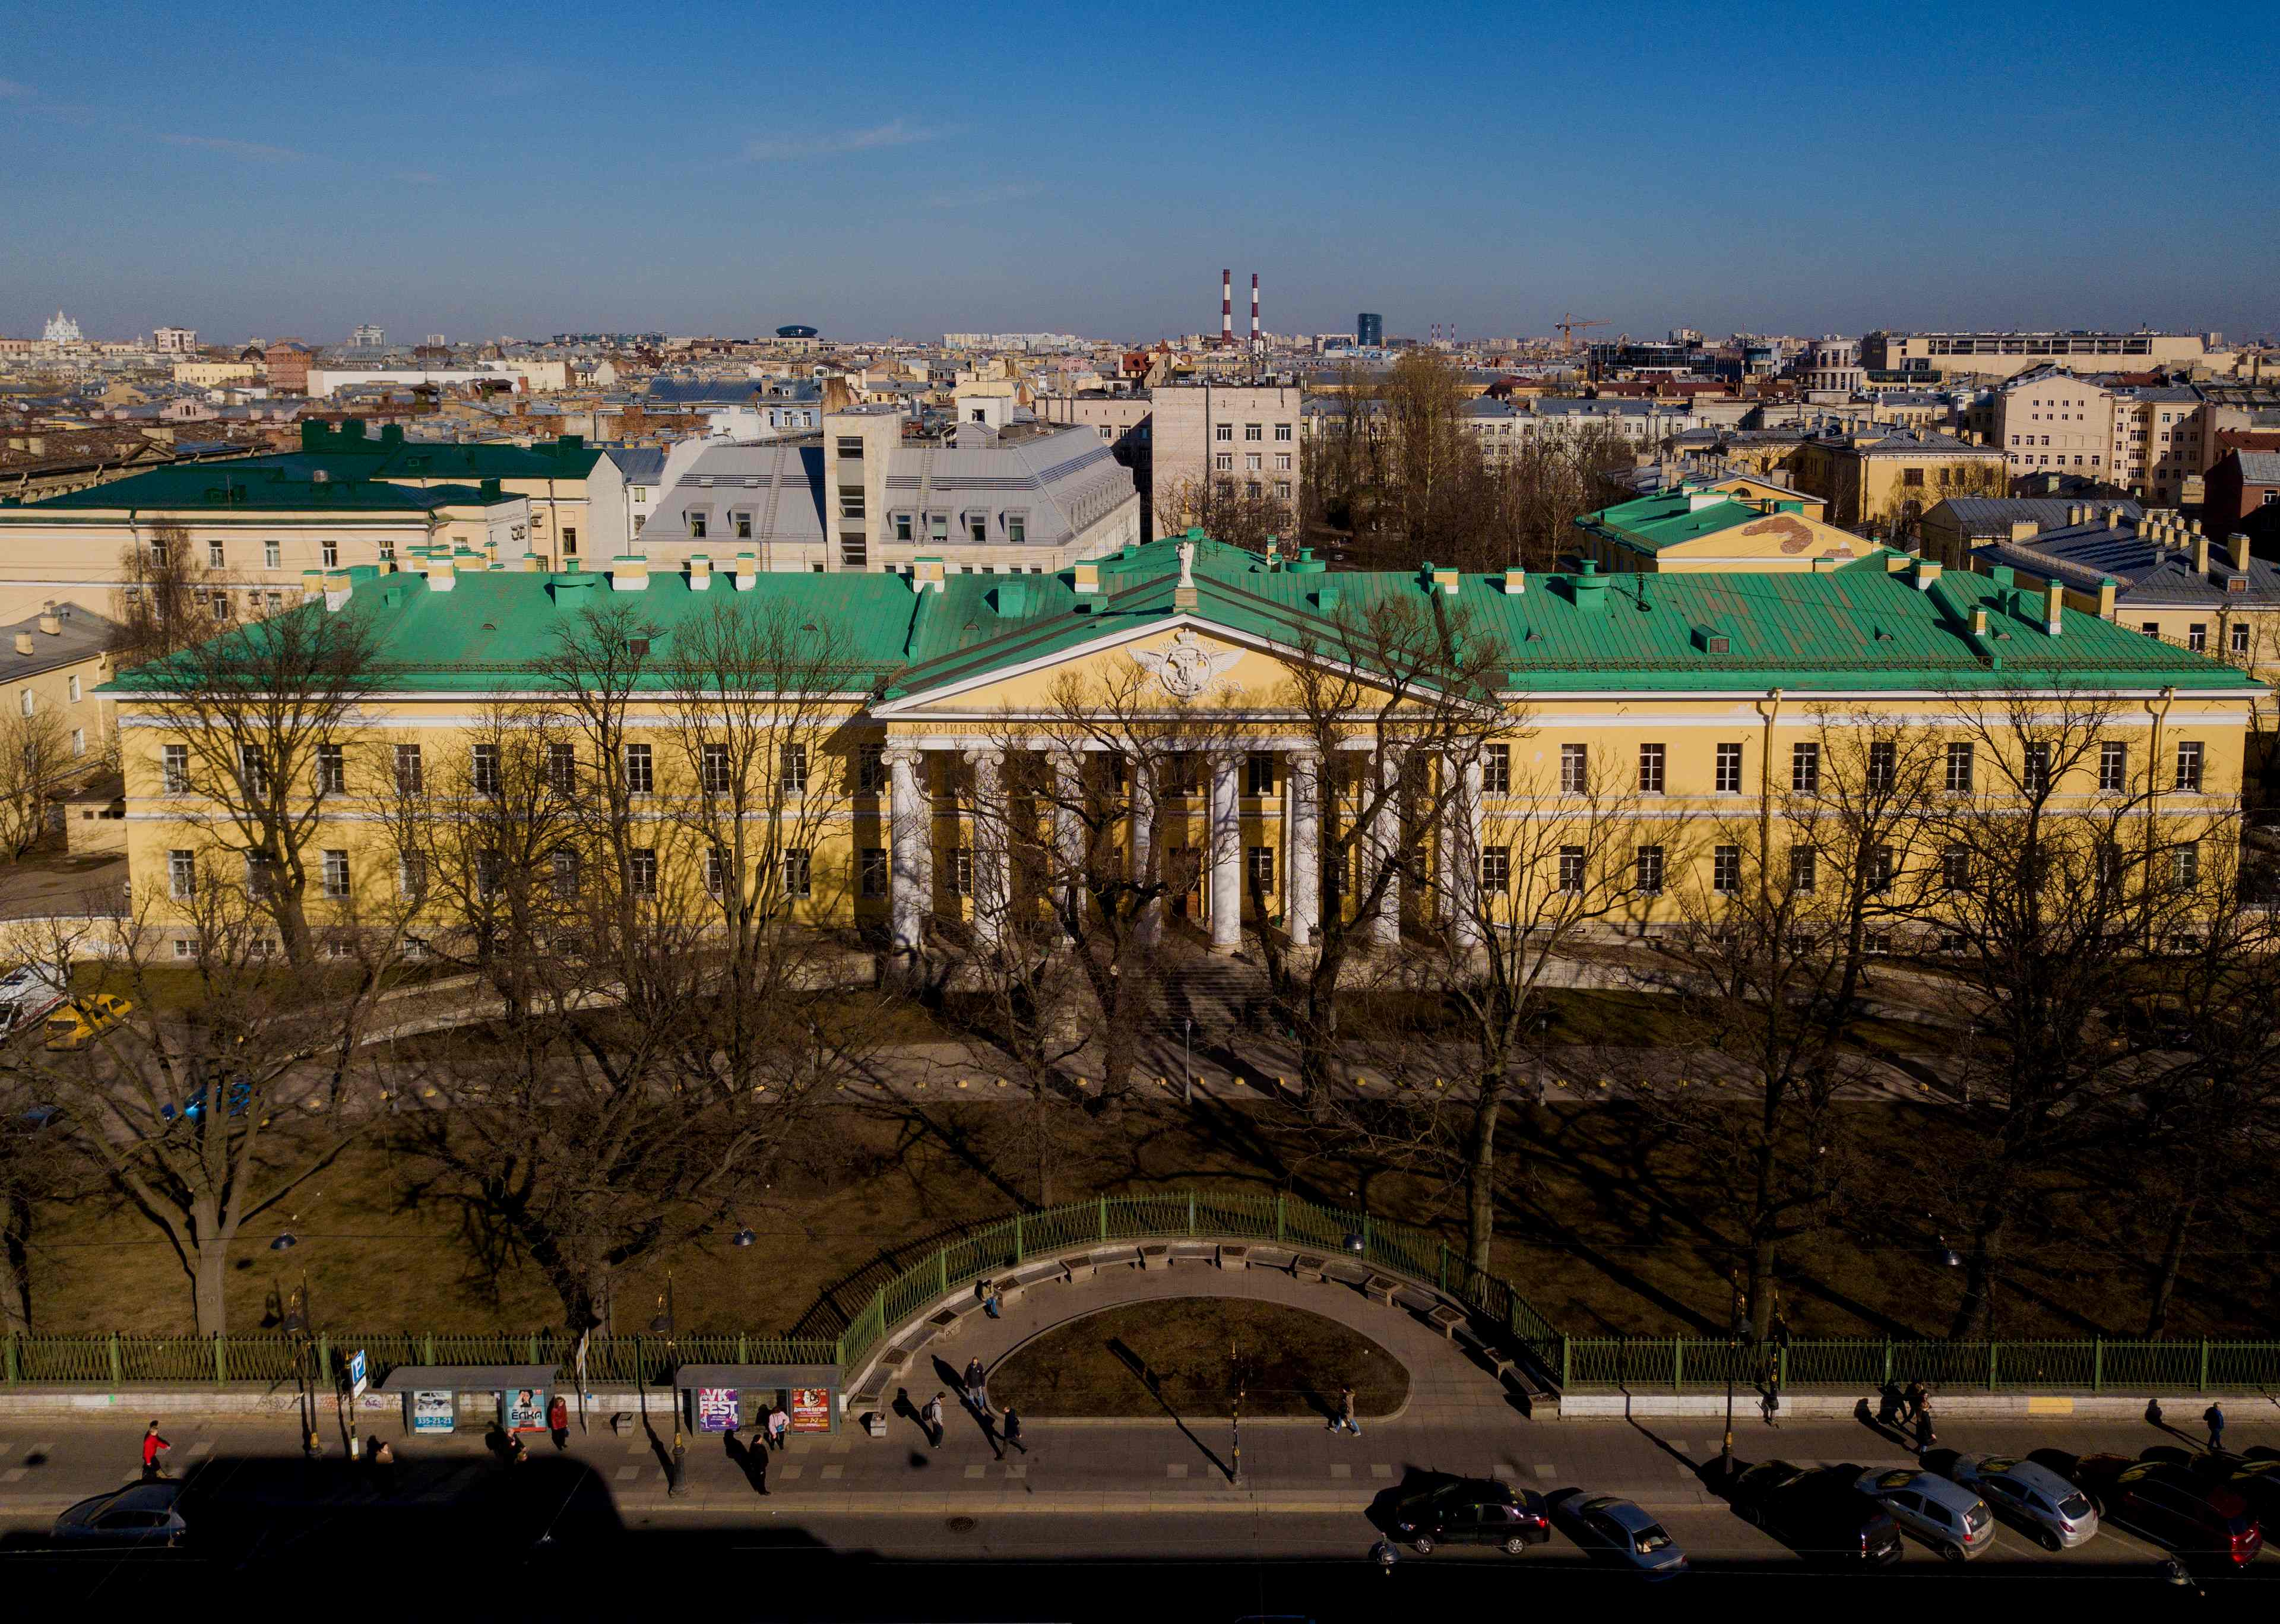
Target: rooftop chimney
x=2237 y=543
x=1255 y=309
x=1227 y=307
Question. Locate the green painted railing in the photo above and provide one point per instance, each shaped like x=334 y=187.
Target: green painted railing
x=114 y=1361
x=1005 y=1246
x=1861 y=1365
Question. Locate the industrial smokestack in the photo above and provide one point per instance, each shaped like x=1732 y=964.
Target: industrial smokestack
x=1227 y=306
x=1255 y=309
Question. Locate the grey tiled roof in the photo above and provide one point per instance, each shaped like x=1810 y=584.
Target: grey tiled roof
x=2150 y=575
x=1995 y=515
x=2259 y=467
x=84 y=635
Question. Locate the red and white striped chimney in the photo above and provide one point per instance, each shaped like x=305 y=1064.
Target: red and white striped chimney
x=1255 y=309
x=1227 y=307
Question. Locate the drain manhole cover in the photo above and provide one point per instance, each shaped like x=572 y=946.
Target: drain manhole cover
x=961 y=1525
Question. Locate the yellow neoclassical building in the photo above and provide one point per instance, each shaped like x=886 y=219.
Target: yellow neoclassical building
x=1679 y=706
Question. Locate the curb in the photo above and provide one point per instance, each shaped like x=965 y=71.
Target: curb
x=1839 y=1406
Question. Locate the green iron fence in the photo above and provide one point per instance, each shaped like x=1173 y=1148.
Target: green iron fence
x=1862 y=1365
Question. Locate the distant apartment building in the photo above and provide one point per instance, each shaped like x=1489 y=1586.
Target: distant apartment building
x=175 y=341
x=287 y=367
x=1369 y=330
x=214 y=374
x=1884 y=483
x=1831 y=366
x=995 y=497
x=1240 y=436
x=1125 y=424
x=2000 y=355
x=2243 y=494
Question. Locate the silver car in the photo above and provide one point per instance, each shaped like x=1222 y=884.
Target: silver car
x=1620 y=1533
x=2061 y=1514
x=1951 y=1519
x=140 y=1514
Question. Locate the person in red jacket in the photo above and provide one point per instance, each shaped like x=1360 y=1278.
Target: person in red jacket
x=151 y=1444
x=557 y=1422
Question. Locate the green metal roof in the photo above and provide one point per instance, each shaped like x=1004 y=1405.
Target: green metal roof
x=257 y=485
x=1650 y=523
x=1846 y=630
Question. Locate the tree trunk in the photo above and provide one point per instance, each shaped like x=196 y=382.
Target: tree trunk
x=1480 y=1179
x=1977 y=1308
x=1763 y=1255
x=2173 y=1256
x=16 y=1264
x=210 y=1285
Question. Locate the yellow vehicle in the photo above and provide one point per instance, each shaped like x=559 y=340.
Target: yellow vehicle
x=76 y=1026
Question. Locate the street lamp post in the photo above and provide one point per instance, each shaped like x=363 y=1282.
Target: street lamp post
x=1734 y=1335
x=1187 y=1060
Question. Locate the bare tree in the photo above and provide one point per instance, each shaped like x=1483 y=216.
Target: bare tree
x=34 y=755
x=163 y=603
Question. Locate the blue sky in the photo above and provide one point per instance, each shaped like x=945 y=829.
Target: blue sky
x=483 y=169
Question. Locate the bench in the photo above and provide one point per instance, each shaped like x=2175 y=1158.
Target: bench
x=1380 y=1288
x=1234 y=1256
x=1446 y=1319
x=1156 y=1256
x=1034 y=1275
x=1194 y=1251
x=1308 y=1266
x=875 y=1422
x=1499 y=1363
x=893 y=1362
x=1271 y=1258
x=623 y=1423
x=1355 y=1274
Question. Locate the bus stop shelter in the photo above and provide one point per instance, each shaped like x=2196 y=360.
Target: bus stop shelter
x=721 y=1398
x=443 y=1398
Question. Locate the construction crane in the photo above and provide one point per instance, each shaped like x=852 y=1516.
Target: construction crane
x=1569 y=326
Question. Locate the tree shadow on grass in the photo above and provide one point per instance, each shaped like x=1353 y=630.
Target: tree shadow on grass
x=1152 y=1385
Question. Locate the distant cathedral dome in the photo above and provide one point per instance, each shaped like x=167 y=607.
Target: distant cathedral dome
x=61 y=330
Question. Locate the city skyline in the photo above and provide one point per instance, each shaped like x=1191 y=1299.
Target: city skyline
x=1039 y=184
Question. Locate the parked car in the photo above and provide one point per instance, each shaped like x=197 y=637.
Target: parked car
x=2168 y=1503
x=140 y=1514
x=1946 y=1516
x=79 y=1022
x=27 y=994
x=1619 y=1533
x=1471 y=1510
x=1818 y=1513
x=2058 y=1514
x=2255 y=1478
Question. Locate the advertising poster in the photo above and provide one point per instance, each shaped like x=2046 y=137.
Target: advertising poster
x=526 y=1409
x=716 y=1409
x=811 y=1409
x=431 y=1411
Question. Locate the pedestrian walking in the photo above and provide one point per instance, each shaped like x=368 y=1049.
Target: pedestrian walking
x=1345 y=1416
x=778 y=1418
x=1888 y=1405
x=1011 y=1429
x=2215 y=1416
x=930 y=1418
x=557 y=1422
x=977 y=1386
x=1925 y=1436
x=151 y=1444
x=1770 y=1403
x=1913 y=1401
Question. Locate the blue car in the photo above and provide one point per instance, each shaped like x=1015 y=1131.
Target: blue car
x=1620 y=1534
x=240 y=1096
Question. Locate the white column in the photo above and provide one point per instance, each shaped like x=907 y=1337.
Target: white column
x=986 y=829
x=1142 y=801
x=909 y=833
x=1302 y=847
x=1461 y=849
x=1068 y=828
x=1384 y=847
x=1226 y=854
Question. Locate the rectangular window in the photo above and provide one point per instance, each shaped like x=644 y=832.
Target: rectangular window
x=2197 y=636
x=71 y=689
x=2151 y=629
x=2035 y=775
x=960 y=873
x=642 y=871
x=874 y=871
x=273 y=556
x=797 y=872
x=1496 y=869
x=562 y=767
x=1223 y=431
x=1805 y=768
x=870 y=769
x=1282 y=490
x=182 y=874
x=1575 y=768
x=1650 y=769
x=851 y=505
x=938 y=527
x=1282 y=432
x=1496 y=769
x=569 y=538
x=2188 y=765
x=79 y=741
x=1282 y=462
x=408 y=774
x=1258 y=773
x=1729 y=769
x=1224 y=463
x=563 y=863
x=214 y=559
x=410 y=873
x=696 y=527
x=2240 y=636
x=1881 y=866
x=641 y=777
x=716 y=870
x=1250 y=464
x=1959 y=769
x=2186 y=863
x=336 y=873
x=253 y=769
x=484 y=769
x=1571 y=870
x=1253 y=431
x=1804 y=868
x=1017 y=529
x=2113 y=766
x=745 y=521
x=1649 y=881
x=1955 y=869
x=712 y=769
x=329 y=552
x=1884 y=766
x=1259 y=869
x=1726 y=870
x=794 y=776
x=331 y=770
x=175 y=760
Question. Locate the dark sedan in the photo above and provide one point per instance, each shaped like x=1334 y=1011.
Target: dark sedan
x=1819 y=1512
x=1471 y=1510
